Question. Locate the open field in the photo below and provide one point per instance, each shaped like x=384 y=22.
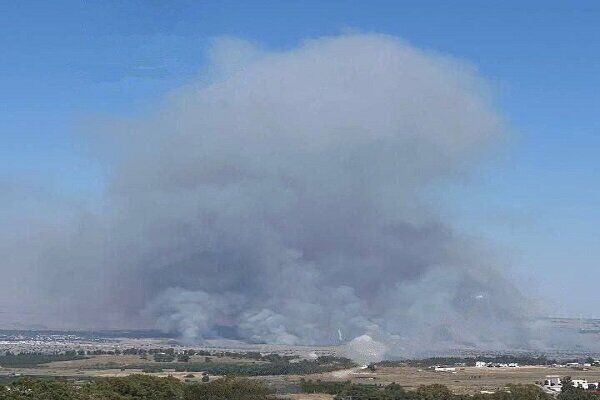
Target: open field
x=467 y=380
x=102 y=366
x=309 y=396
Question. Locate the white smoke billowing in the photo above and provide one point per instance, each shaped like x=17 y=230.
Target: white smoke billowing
x=283 y=199
x=364 y=350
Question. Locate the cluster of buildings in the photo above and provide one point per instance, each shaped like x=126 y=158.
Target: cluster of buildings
x=58 y=343
x=575 y=365
x=478 y=364
x=554 y=384
x=483 y=364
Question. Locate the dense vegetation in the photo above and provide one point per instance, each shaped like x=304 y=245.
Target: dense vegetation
x=271 y=364
x=26 y=360
x=347 y=390
x=136 y=387
x=570 y=392
x=245 y=369
x=144 y=387
x=170 y=354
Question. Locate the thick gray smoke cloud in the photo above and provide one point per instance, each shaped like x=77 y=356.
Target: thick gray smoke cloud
x=283 y=200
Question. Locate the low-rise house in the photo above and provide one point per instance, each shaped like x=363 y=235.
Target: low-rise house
x=580 y=383
x=553 y=383
x=439 y=368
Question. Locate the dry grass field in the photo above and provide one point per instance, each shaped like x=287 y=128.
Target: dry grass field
x=97 y=361
x=305 y=396
x=468 y=380
x=113 y=366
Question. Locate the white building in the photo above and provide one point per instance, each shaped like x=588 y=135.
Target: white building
x=480 y=364
x=553 y=383
x=580 y=383
x=438 y=368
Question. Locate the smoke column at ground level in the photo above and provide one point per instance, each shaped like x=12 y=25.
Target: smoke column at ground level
x=364 y=350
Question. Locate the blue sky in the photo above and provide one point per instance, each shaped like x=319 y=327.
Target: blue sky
x=62 y=61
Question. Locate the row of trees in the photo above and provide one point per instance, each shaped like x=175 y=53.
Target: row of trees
x=136 y=387
x=253 y=355
x=302 y=367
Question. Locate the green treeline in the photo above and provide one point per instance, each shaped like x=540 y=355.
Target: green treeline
x=279 y=367
x=136 y=387
x=144 y=387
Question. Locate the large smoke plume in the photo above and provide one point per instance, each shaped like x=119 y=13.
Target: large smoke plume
x=287 y=198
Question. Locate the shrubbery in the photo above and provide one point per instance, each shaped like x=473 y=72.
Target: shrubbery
x=279 y=367
x=136 y=387
x=143 y=387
